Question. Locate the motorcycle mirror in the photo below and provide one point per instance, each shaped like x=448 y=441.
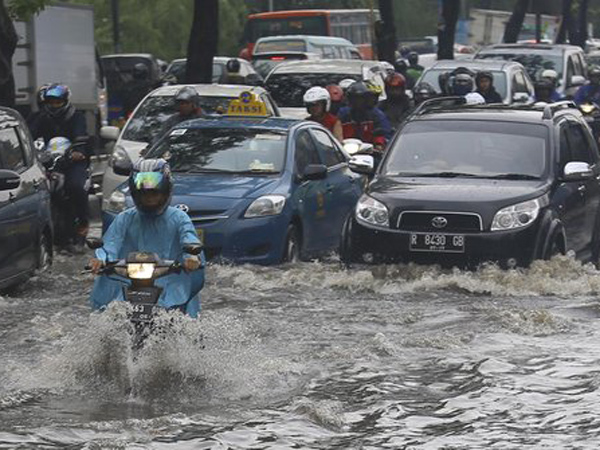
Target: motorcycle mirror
x=193 y=249
x=94 y=243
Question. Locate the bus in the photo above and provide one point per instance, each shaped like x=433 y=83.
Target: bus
x=356 y=25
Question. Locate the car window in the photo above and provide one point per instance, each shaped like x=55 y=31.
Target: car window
x=306 y=151
x=577 y=65
x=27 y=146
x=570 y=70
x=329 y=153
x=11 y=152
x=579 y=146
x=519 y=83
x=287 y=89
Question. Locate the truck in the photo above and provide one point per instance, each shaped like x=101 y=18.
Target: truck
x=57 y=46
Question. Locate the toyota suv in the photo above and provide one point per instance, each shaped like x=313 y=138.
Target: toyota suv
x=464 y=184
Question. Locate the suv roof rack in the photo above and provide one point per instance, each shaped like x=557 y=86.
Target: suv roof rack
x=439 y=102
x=552 y=108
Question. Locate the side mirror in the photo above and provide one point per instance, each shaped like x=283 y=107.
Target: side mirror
x=577 y=80
x=94 y=243
x=193 y=249
x=110 y=133
x=39 y=144
x=9 y=180
x=577 y=171
x=315 y=172
x=521 y=97
x=363 y=164
x=123 y=167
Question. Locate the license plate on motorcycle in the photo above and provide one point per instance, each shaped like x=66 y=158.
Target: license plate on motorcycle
x=142 y=312
x=437 y=243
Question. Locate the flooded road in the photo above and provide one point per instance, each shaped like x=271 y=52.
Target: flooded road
x=311 y=356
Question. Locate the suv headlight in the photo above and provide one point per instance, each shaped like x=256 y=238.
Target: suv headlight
x=519 y=215
x=119 y=153
x=267 y=205
x=373 y=212
x=116 y=202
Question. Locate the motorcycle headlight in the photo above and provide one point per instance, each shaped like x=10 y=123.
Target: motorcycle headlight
x=587 y=108
x=118 y=154
x=267 y=205
x=116 y=202
x=373 y=212
x=140 y=271
x=517 y=216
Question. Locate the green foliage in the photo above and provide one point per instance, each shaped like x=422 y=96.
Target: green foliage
x=24 y=9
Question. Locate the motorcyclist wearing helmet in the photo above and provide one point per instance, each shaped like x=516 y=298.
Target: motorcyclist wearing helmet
x=187 y=102
x=317 y=101
x=152 y=226
x=590 y=93
x=414 y=70
x=485 y=87
x=336 y=93
x=34 y=117
x=375 y=91
x=59 y=118
x=544 y=89
x=233 y=67
x=461 y=84
x=401 y=67
x=423 y=91
x=551 y=76
x=397 y=106
x=136 y=88
x=361 y=121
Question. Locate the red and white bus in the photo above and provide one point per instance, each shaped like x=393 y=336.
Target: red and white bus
x=356 y=25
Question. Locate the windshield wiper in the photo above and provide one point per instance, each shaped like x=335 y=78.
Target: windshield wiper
x=259 y=171
x=439 y=175
x=208 y=170
x=512 y=176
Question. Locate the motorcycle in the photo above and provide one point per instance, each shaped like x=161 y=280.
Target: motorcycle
x=591 y=113
x=138 y=274
x=56 y=157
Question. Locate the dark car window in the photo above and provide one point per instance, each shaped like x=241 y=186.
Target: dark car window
x=330 y=154
x=535 y=63
x=468 y=148
x=306 y=152
x=288 y=89
x=27 y=146
x=11 y=152
x=520 y=85
x=578 y=144
x=229 y=150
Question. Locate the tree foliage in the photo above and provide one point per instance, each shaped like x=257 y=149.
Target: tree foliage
x=24 y=9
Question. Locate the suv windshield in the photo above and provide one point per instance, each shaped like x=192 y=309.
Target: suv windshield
x=288 y=89
x=470 y=149
x=535 y=63
x=147 y=122
x=226 y=150
x=432 y=77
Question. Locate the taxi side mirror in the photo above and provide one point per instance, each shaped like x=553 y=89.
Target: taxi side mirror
x=110 y=133
x=315 y=172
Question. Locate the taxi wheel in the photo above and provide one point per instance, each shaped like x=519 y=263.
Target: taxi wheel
x=291 y=251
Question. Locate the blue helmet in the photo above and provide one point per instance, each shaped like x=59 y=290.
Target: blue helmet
x=151 y=185
x=59 y=92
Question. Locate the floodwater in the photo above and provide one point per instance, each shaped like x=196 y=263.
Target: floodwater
x=311 y=356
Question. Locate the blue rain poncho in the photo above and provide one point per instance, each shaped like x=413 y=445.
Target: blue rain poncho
x=163 y=234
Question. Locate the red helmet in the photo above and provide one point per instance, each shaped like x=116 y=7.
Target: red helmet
x=395 y=80
x=335 y=92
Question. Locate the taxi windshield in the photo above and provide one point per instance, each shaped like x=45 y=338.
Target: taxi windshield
x=288 y=89
x=222 y=150
x=146 y=124
x=455 y=148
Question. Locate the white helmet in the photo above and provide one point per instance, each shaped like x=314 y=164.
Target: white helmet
x=473 y=98
x=317 y=94
x=345 y=83
x=549 y=73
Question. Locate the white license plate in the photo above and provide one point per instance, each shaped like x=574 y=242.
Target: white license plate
x=437 y=243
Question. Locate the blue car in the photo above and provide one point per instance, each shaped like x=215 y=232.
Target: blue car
x=259 y=190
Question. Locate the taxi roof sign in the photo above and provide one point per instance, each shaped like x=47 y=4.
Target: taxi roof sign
x=247 y=105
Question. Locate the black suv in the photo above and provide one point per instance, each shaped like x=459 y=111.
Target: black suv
x=477 y=183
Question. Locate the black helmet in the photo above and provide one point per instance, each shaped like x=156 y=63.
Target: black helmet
x=401 y=66
x=233 y=65
x=151 y=177
x=484 y=74
x=424 y=91
x=461 y=84
x=594 y=73
x=358 y=89
x=188 y=94
x=413 y=58
x=542 y=86
x=60 y=92
x=140 y=71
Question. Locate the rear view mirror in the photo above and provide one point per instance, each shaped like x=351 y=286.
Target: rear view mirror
x=521 y=97
x=123 y=167
x=193 y=249
x=577 y=171
x=94 y=243
x=315 y=172
x=363 y=164
x=9 y=180
x=110 y=133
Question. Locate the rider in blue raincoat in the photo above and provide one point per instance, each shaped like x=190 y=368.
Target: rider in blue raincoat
x=152 y=226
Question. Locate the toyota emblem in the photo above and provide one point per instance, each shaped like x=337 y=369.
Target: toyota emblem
x=182 y=207
x=439 y=222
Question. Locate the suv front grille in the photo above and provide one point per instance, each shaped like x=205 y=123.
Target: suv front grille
x=454 y=222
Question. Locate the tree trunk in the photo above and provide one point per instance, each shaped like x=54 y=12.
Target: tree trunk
x=202 y=46
x=515 y=23
x=447 y=28
x=8 y=44
x=386 y=34
x=582 y=29
x=565 y=23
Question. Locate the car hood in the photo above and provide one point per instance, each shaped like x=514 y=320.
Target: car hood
x=223 y=186
x=481 y=196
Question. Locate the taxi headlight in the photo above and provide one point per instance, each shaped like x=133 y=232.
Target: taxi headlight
x=267 y=205
x=116 y=202
x=140 y=271
x=517 y=216
x=373 y=212
x=118 y=154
